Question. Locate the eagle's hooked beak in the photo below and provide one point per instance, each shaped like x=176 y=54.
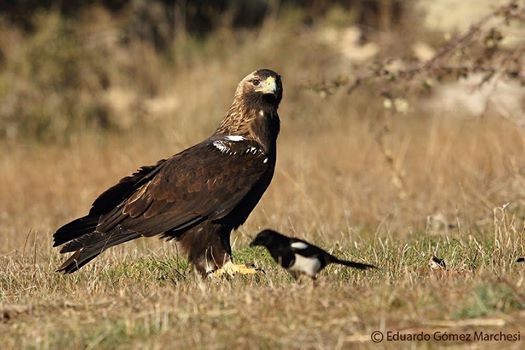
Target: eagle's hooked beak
x=269 y=86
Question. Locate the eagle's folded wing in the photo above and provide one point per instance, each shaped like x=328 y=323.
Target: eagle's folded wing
x=105 y=203
x=204 y=182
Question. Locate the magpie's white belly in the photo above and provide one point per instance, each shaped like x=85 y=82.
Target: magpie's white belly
x=309 y=266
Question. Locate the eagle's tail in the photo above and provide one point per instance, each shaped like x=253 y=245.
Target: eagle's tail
x=76 y=261
x=90 y=245
x=75 y=229
x=355 y=265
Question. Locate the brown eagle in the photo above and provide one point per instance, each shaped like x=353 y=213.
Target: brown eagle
x=197 y=196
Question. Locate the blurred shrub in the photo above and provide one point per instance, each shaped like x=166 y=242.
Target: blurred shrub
x=200 y=17
x=66 y=67
x=50 y=84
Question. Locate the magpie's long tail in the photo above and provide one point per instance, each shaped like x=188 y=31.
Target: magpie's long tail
x=355 y=265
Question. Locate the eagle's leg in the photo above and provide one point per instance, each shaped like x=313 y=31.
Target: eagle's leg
x=209 y=250
x=204 y=248
x=229 y=267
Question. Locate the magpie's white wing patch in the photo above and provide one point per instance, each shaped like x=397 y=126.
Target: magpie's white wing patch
x=307 y=265
x=299 y=245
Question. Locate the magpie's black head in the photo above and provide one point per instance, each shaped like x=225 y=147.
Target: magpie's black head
x=268 y=238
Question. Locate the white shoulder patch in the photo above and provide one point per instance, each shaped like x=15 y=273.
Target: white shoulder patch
x=221 y=146
x=299 y=245
x=235 y=138
x=251 y=149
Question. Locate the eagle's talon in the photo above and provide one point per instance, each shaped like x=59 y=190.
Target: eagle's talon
x=231 y=269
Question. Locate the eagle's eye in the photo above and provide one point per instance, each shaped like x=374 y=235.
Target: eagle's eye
x=256 y=82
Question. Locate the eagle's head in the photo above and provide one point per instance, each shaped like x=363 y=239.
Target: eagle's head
x=253 y=113
x=262 y=88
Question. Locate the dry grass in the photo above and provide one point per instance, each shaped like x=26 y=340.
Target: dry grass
x=443 y=192
x=332 y=187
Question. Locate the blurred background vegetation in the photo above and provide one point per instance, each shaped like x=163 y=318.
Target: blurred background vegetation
x=69 y=67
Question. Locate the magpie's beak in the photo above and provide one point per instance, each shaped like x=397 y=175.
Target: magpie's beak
x=253 y=243
x=268 y=87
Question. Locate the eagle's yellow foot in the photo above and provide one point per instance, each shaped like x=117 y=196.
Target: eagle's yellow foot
x=231 y=269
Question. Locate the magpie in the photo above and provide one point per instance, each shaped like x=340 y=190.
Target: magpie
x=436 y=263
x=298 y=256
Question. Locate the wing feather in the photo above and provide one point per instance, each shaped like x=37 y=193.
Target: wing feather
x=201 y=183
x=106 y=203
x=126 y=186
